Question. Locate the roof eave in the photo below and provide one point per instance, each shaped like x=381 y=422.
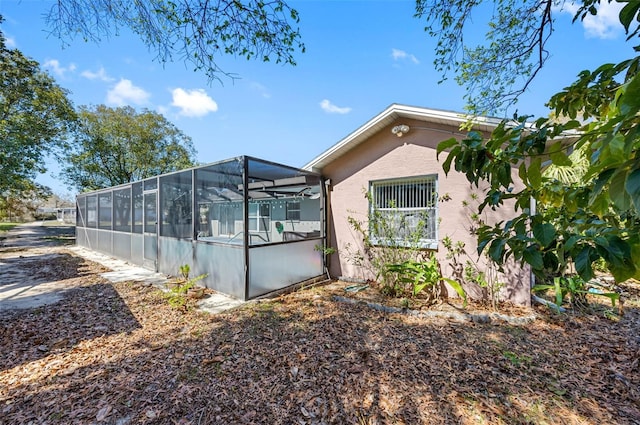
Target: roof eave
x=388 y=116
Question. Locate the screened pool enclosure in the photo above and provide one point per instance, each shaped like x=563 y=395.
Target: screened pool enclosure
x=250 y=225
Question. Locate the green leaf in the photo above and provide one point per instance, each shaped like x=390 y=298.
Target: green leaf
x=560 y=158
x=557 y=284
x=617 y=192
x=635 y=255
x=628 y=12
x=496 y=250
x=542 y=287
x=571 y=241
x=601 y=205
x=557 y=155
x=613 y=296
x=446 y=144
x=600 y=182
x=458 y=288
x=533 y=257
x=544 y=233
x=522 y=172
x=630 y=100
x=612 y=153
x=632 y=186
x=446 y=166
x=534 y=174
x=583 y=263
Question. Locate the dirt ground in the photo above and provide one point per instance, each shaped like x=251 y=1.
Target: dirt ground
x=117 y=353
x=32 y=268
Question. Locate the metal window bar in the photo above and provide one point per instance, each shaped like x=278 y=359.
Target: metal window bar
x=405 y=204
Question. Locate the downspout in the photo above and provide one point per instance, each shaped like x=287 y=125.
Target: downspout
x=326 y=259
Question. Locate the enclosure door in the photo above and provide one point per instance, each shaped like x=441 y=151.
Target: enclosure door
x=227 y=220
x=150 y=231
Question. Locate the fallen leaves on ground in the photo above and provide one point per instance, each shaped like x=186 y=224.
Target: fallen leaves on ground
x=118 y=354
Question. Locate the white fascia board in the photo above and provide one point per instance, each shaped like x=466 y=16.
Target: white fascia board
x=388 y=116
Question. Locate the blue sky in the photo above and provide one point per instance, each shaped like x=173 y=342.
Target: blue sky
x=361 y=57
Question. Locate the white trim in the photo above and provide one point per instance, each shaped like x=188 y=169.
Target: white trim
x=387 y=117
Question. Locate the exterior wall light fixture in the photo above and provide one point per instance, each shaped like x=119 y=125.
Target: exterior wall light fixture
x=400 y=130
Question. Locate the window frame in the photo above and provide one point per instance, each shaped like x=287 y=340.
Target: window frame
x=432 y=206
x=262 y=220
x=289 y=210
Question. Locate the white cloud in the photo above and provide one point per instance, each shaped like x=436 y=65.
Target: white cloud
x=101 y=75
x=10 y=42
x=124 y=93
x=260 y=89
x=398 y=55
x=193 y=103
x=57 y=69
x=606 y=24
x=330 y=108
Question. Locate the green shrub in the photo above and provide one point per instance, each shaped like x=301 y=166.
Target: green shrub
x=424 y=278
x=387 y=239
x=178 y=289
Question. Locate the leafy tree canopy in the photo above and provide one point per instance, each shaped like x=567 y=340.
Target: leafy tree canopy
x=574 y=222
x=20 y=204
x=196 y=31
x=35 y=118
x=113 y=146
x=499 y=68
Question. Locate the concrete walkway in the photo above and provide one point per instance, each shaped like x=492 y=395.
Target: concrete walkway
x=19 y=290
x=123 y=271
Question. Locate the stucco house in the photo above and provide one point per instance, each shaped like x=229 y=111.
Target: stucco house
x=394 y=155
x=254 y=227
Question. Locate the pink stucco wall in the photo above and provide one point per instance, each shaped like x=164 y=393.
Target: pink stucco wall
x=386 y=156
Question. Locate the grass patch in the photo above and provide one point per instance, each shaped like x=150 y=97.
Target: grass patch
x=56 y=223
x=5 y=227
x=62 y=240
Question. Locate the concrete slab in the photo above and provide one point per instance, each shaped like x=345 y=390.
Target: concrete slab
x=19 y=296
x=217 y=303
x=121 y=271
x=24 y=279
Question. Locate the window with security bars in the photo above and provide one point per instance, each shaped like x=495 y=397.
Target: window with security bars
x=293 y=210
x=404 y=212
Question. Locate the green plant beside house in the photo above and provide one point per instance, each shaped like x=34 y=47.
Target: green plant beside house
x=393 y=252
x=184 y=288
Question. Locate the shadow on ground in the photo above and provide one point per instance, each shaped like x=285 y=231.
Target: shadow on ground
x=33 y=277
x=38 y=234
x=86 y=312
x=313 y=361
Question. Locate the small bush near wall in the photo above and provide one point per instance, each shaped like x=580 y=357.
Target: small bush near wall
x=392 y=251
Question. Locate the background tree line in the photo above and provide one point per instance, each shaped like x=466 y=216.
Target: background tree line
x=97 y=146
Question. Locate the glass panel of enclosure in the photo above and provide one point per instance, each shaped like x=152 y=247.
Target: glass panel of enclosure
x=104 y=211
x=150 y=212
x=92 y=211
x=136 y=195
x=219 y=203
x=81 y=213
x=151 y=184
x=122 y=209
x=176 y=207
x=283 y=203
